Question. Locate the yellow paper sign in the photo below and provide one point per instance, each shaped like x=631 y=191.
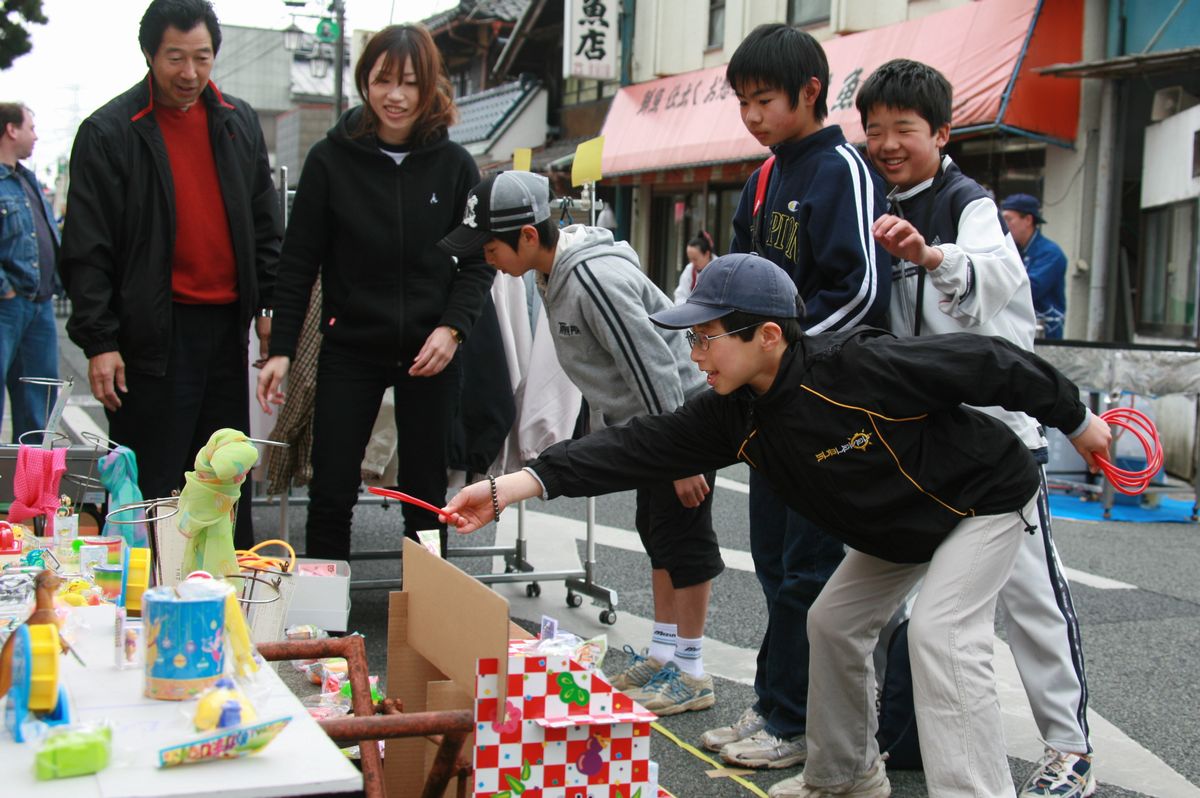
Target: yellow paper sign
x=586 y=167
x=522 y=159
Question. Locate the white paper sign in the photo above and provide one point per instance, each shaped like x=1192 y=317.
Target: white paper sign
x=590 y=38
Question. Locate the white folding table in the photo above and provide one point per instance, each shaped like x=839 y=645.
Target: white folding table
x=302 y=760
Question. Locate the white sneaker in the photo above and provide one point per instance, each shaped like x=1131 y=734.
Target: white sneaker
x=1060 y=775
x=764 y=750
x=747 y=723
x=872 y=784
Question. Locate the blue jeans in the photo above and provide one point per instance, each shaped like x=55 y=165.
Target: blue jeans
x=793 y=560
x=28 y=348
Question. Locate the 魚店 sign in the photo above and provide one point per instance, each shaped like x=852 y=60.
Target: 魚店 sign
x=590 y=39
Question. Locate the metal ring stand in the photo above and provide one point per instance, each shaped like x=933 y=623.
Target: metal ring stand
x=250 y=581
x=172 y=502
x=48 y=435
x=53 y=412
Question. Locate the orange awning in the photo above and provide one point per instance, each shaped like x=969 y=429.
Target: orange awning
x=989 y=51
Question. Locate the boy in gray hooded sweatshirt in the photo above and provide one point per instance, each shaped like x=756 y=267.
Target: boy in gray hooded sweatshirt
x=598 y=301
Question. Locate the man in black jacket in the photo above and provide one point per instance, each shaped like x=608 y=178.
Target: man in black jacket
x=169 y=251
x=867 y=435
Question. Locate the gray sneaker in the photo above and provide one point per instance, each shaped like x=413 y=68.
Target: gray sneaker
x=764 y=750
x=872 y=784
x=747 y=723
x=672 y=691
x=640 y=670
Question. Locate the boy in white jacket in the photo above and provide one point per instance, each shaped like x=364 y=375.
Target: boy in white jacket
x=957 y=269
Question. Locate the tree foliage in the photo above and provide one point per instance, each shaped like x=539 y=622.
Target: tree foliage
x=15 y=15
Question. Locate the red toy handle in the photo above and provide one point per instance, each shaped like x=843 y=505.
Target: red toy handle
x=1131 y=483
x=404 y=497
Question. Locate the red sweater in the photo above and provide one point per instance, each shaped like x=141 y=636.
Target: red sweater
x=203 y=270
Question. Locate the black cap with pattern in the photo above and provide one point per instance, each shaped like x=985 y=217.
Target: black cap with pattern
x=500 y=203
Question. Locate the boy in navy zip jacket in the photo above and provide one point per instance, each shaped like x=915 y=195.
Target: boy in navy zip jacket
x=957 y=269
x=820 y=199
x=869 y=435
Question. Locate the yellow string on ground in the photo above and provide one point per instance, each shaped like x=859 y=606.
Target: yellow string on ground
x=703 y=757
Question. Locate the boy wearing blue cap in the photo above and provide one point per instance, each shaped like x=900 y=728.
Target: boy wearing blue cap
x=1044 y=260
x=867 y=435
x=597 y=300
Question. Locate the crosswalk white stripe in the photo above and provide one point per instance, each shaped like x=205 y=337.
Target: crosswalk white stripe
x=1075 y=577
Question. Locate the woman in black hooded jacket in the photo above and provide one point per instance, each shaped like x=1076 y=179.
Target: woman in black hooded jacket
x=375 y=197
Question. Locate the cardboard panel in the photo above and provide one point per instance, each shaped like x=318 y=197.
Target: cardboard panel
x=438 y=626
x=447 y=695
x=453 y=620
x=408 y=673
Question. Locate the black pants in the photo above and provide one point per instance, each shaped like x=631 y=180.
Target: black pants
x=349 y=392
x=166 y=420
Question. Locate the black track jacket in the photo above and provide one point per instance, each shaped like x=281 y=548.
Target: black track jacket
x=371 y=227
x=862 y=432
x=119 y=236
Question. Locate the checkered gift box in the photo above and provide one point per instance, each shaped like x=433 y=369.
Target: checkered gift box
x=562 y=732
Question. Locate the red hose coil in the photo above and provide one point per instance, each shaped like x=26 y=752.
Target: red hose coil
x=1131 y=483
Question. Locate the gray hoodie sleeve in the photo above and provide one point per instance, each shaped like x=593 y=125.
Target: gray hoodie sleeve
x=616 y=313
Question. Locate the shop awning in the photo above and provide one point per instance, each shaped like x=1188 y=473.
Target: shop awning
x=989 y=50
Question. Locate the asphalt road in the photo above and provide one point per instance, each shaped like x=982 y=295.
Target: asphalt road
x=1135 y=591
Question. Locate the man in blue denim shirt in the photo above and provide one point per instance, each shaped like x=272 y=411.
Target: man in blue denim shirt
x=28 y=281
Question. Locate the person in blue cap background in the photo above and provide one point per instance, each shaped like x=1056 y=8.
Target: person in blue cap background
x=1044 y=261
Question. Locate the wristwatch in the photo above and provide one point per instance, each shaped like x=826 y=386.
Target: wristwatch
x=455 y=333
x=266 y=313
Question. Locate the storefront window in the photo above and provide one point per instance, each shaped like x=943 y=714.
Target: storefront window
x=586 y=90
x=722 y=202
x=807 y=12
x=716 y=23
x=679 y=216
x=1168 y=285
x=675 y=218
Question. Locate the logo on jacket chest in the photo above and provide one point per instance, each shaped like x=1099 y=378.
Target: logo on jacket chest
x=567 y=330
x=783 y=233
x=859 y=441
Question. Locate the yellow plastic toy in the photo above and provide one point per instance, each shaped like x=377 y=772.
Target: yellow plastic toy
x=136 y=579
x=43 y=667
x=213 y=711
x=238 y=633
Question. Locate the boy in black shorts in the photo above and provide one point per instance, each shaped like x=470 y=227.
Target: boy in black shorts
x=597 y=301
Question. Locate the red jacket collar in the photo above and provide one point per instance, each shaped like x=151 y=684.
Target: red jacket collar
x=218 y=98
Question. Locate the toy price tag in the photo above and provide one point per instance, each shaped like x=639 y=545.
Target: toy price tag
x=227 y=744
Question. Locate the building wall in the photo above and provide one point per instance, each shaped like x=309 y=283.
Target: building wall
x=1068 y=172
x=253 y=66
x=296 y=131
x=1069 y=181
x=1132 y=24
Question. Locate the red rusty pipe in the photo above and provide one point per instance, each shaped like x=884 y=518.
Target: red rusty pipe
x=366 y=727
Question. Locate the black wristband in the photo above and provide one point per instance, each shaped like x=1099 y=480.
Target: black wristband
x=495 y=498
